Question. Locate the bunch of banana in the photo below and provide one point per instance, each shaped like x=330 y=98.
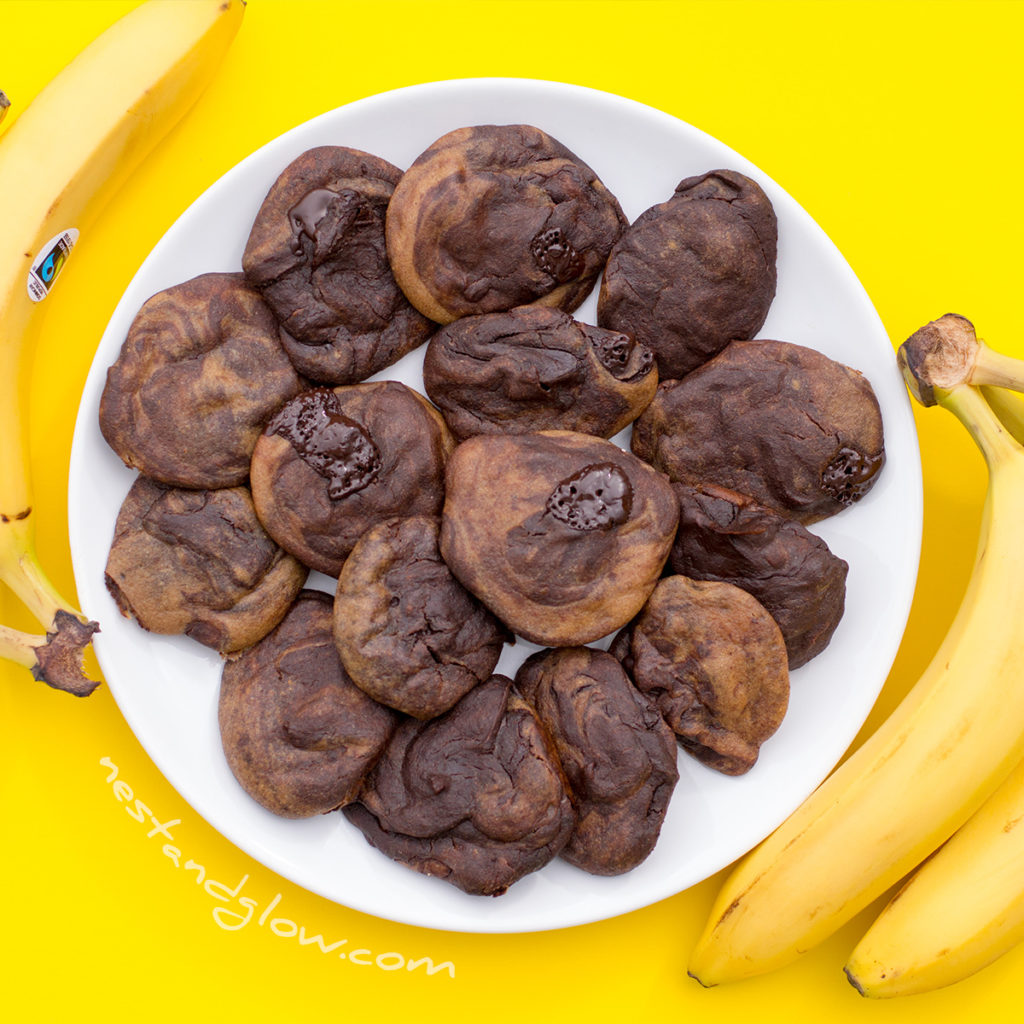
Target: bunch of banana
x=941 y=754
x=964 y=907
x=60 y=160
x=960 y=911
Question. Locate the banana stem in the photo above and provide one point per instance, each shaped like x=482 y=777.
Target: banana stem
x=20 y=647
x=21 y=571
x=947 y=352
x=54 y=659
x=971 y=408
x=997 y=368
x=1008 y=406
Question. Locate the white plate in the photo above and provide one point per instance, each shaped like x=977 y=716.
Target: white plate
x=167 y=687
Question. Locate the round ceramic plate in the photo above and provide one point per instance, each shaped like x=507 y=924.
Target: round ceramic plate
x=167 y=687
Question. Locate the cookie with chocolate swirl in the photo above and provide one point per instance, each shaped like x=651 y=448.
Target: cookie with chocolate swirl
x=562 y=535
x=495 y=216
x=335 y=461
x=317 y=254
x=535 y=368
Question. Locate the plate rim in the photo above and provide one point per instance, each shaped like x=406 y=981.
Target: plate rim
x=497 y=84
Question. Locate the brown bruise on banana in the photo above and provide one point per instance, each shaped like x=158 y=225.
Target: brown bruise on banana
x=17 y=516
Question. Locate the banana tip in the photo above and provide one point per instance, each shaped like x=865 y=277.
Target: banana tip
x=852 y=979
x=697 y=979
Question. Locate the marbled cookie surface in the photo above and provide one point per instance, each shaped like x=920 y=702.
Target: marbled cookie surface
x=495 y=216
x=317 y=254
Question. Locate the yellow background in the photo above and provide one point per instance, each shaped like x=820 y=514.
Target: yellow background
x=897 y=125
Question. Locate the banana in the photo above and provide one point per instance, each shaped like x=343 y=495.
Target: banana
x=1009 y=407
x=60 y=160
x=960 y=911
x=948 y=745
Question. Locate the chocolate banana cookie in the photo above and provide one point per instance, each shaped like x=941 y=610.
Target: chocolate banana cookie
x=409 y=634
x=317 y=254
x=199 y=563
x=714 y=662
x=785 y=424
x=335 y=461
x=618 y=754
x=475 y=797
x=731 y=538
x=197 y=377
x=562 y=535
x=496 y=216
x=298 y=734
x=695 y=272
x=535 y=368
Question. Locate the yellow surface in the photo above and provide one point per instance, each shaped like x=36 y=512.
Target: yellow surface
x=895 y=124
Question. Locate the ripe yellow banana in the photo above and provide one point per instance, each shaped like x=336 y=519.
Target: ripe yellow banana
x=1009 y=407
x=60 y=160
x=961 y=910
x=948 y=745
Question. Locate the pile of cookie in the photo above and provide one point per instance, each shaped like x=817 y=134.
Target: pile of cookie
x=670 y=588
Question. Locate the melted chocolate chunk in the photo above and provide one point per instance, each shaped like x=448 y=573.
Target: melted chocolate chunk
x=850 y=474
x=556 y=256
x=306 y=215
x=619 y=353
x=332 y=444
x=596 y=498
